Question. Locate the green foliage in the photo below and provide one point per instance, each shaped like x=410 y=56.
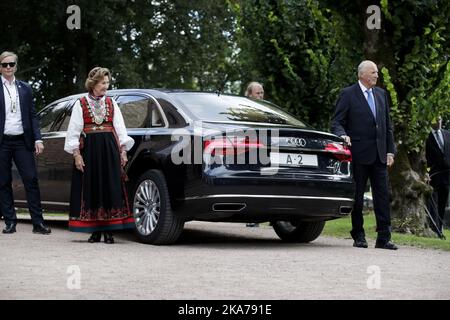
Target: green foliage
x=385 y=9
x=396 y=115
x=424 y=79
x=52 y=57
x=421 y=43
x=187 y=44
x=146 y=43
x=297 y=50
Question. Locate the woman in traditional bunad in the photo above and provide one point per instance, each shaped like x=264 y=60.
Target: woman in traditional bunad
x=98 y=140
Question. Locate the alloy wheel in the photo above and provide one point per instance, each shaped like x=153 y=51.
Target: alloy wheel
x=146 y=207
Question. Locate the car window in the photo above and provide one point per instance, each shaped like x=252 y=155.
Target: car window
x=49 y=115
x=63 y=122
x=174 y=118
x=213 y=107
x=149 y=113
x=157 y=119
x=135 y=110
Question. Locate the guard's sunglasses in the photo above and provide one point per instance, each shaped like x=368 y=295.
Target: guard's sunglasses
x=10 y=64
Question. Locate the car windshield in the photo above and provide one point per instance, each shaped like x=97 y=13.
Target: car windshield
x=225 y=108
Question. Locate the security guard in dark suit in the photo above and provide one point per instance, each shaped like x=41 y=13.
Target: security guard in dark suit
x=437 y=151
x=20 y=141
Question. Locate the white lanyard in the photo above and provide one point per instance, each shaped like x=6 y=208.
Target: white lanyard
x=13 y=103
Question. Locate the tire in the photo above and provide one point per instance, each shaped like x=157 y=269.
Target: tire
x=155 y=222
x=301 y=232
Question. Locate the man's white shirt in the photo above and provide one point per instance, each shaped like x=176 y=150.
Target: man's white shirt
x=13 y=120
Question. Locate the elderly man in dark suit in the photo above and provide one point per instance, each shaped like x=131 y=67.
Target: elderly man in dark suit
x=437 y=151
x=19 y=138
x=361 y=118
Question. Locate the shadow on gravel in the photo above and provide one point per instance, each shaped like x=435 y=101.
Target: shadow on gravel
x=215 y=239
x=205 y=238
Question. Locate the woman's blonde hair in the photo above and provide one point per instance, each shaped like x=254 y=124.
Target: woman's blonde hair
x=95 y=76
x=8 y=54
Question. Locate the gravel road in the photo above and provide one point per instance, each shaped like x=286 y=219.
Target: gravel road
x=214 y=261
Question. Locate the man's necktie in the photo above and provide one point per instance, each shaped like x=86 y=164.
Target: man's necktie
x=439 y=140
x=371 y=102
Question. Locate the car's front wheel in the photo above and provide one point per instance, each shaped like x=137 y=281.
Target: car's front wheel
x=301 y=231
x=155 y=222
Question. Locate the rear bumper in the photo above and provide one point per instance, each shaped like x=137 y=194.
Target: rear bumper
x=244 y=207
x=221 y=194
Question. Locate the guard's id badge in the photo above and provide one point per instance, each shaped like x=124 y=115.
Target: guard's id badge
x=13 y=107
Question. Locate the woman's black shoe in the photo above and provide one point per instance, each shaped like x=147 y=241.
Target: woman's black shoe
x=95 y=237
x=109 y=237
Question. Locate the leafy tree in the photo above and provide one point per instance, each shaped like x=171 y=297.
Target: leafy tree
x=146 y=43
x=183 y=44
x=52 y=57
x=298 y=50
x=418 y=78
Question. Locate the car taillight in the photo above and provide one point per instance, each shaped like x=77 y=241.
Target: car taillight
x=229 y=145
x=339 y=151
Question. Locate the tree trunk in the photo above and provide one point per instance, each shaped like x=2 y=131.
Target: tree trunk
x=408 y=197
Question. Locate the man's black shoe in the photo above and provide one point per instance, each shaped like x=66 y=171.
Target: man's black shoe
x=41 y=228
x=10 y=228
x=360 y=243
x=386 y=245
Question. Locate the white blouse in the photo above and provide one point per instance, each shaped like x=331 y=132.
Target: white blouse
x=76 y=126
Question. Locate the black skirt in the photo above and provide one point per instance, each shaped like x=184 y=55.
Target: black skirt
x=98 y=199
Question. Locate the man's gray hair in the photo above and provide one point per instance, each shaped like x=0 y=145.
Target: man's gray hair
x=363 y=65
x=250 y=86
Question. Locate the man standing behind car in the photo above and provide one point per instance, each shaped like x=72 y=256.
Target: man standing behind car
x=361 y=118
x=254 y=90
x=20 y=136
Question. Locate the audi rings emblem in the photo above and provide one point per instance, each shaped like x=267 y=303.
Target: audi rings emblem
x=299 y=142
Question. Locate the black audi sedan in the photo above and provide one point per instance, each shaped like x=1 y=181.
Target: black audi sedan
x=211 y=157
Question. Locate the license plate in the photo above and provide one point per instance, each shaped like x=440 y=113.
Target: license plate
x=293 y=159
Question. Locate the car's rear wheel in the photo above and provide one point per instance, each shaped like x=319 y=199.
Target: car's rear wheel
x=155 y=222
x=301 y=231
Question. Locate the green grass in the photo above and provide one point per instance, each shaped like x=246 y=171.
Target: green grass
x=340 y=228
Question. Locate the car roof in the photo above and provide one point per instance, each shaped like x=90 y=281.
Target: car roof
x=164 y=93
x=156 y=92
